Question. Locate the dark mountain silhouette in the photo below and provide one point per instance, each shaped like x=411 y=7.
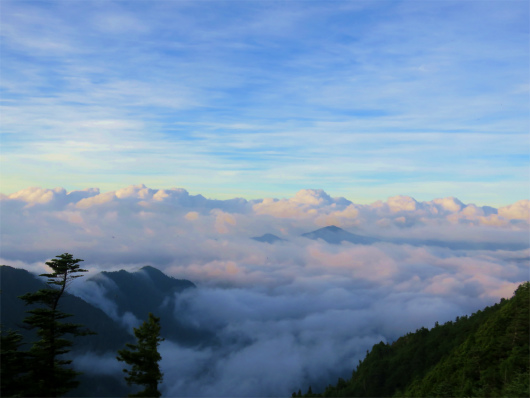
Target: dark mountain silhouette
x=137 y=293
x=109 y=336
x=150 y=290
x=141 y=292
x=336 y=236
x=15 y=282
x=268 y=238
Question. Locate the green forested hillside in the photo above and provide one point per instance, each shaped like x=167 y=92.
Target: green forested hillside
x=486 y=355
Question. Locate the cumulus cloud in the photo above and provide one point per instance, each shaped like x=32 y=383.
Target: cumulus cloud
x=401 y=203
x=223 y=220
x=518 y=211
x=54 y=197
x=143 y=225
x=288 y=314
x=192 y=215
x=305 y=204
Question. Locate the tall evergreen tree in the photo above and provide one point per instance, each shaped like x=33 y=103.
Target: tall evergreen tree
x=47 y=374
x=143 y=358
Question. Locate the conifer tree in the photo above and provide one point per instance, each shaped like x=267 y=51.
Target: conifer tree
x=143 y=358
x=47 y=375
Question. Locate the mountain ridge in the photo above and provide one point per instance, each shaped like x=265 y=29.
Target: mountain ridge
x=335 y=235
x=268 y=238
x=15 y=282
x=135 y=289
x=143 y=291
x=485 y=354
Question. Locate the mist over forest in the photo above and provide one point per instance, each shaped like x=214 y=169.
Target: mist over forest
x=285 y=313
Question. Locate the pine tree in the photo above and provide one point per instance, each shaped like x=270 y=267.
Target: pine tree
x=143 y=358
x=47 y=374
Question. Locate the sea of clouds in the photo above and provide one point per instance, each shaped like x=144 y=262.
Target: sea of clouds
x=288 y=314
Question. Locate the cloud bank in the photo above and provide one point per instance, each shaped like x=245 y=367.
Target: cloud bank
x=292 y=313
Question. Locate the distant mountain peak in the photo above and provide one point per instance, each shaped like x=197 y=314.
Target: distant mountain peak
x=144 y=290
x=153 y=275
x=335 y=235
x=151 y=270
x=268 y=238
x=333 y=228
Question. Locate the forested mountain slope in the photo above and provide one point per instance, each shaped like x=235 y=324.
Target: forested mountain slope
x=137 y=293
x=15 y=282
x=144 y=291
x=486 y=355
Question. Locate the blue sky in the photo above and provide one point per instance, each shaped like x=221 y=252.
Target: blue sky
x=260 y=98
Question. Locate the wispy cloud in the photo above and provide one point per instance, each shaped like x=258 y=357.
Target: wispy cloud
x=342 y=94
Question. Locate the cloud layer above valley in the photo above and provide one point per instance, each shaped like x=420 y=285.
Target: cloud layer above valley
x=209 y=240
x=291 y=313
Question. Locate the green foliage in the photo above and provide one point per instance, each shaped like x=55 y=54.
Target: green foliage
x=492 y=362
x=143 y=358
x=47 y=374
x=486 y=354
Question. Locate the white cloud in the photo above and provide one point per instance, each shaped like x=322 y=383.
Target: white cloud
x=191 y=216
x=293 y=313
x=223 y=221
x=307 y=203
x=57 y=197
x=449 y=204
x=37 y=195
x=517 y=211
x=312 y=197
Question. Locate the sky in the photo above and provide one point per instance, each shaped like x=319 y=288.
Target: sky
x=255 y=99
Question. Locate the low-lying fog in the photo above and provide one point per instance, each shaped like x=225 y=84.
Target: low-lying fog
x=292 y=313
